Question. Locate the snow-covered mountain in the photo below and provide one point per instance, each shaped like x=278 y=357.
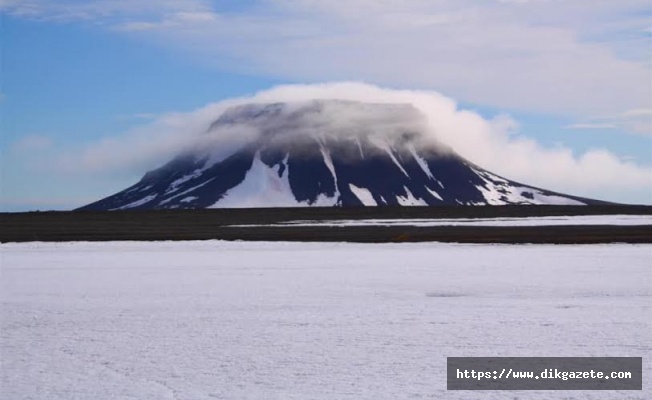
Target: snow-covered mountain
x=322 y=153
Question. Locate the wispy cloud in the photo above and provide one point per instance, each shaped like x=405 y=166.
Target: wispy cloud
x=638 y=121
x=33 y=143
x=138 y=116
x=571 y=57
x=592 y=126
x=99 y=11
x=495 y=144
x=146 y=115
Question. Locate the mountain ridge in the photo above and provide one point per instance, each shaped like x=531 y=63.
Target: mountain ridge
x=322 y=153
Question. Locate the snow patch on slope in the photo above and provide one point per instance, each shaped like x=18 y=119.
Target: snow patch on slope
x=383 y=145
x=542 y=198
x=263 y=187
x=174 y=186
x=137 y=203
x=363 y=195
x=422 y=163
x=185 y=192
x=432 y=192
x=331 y=167
x=499 y=191
x=357 y=140
x=410 y=200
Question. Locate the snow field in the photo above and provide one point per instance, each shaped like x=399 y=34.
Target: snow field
x=621 y=220
x=242 y=320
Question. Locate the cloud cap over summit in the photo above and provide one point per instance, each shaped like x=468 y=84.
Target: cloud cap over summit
x=322 y=153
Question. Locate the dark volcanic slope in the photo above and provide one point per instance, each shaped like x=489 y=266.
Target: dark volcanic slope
x=322 y=153
x=217 y=224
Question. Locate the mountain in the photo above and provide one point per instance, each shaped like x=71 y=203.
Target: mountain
x=322 y=153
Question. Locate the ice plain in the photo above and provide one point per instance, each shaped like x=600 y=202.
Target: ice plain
x=577 y=220
x=245 y=320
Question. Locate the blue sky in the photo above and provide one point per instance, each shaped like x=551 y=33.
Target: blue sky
x=573 y=75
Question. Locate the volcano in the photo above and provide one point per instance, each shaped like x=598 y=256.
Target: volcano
x=322 y=153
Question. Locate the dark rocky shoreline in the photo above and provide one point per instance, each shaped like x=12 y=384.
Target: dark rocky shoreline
x=218 y=224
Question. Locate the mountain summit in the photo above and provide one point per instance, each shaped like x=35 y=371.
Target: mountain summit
x=322 y=153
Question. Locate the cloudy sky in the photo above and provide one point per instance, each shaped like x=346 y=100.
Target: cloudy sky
x=555 y=93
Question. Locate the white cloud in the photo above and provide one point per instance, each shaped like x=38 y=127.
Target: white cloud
x=588 y=60
x=100 y=11
x=142 y=147
x=592 y=126
x=145 y=115
x=493 y=144
x=33 y=143
x=573 y=57
x=638 y=121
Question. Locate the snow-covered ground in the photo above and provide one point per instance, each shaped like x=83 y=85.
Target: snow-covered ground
x=238 y=320
x=507 y=221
